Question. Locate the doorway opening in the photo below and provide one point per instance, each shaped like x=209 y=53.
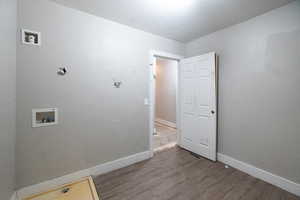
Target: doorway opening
x=196 y=100
x=164 y=106
x=165 y=131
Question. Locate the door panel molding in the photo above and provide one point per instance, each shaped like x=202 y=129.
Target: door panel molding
x=198 y=105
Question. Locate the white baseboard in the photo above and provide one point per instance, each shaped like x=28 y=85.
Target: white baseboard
x=93 y=171
x=165 y=122
x=14 y=196
x=124 y=162
x=266 y=176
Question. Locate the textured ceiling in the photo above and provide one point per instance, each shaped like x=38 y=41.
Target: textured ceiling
x=181 y=20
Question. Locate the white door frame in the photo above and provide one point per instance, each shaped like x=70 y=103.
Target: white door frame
x=152 y=61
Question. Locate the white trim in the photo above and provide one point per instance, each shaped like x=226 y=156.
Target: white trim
x=152 y=60
x=14 y=196
x=266 y=176
x=93 y=171
x=165 y=122
x=163 y=54
x=178 y=107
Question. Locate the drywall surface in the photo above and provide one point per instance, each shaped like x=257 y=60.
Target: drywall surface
x=97 y=122
x=8 y=23
x=165 y=92
x=259 y=112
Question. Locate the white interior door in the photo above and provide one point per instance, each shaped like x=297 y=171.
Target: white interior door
x=198 y=113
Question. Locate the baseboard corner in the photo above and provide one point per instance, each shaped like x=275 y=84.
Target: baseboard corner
x=264 y=175
x=14 y=196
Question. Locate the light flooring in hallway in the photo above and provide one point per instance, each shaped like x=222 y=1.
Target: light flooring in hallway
x=165 y=136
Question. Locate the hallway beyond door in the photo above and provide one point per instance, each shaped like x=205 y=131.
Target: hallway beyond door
x=165 y=137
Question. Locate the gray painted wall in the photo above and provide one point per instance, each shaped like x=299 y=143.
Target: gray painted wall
x=97 y=123
x=165 y=92
x=8 y=12
x=259 y=112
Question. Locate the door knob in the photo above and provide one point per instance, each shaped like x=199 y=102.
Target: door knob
x=212 y=112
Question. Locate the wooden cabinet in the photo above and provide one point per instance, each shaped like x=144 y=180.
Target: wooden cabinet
x=83 y=189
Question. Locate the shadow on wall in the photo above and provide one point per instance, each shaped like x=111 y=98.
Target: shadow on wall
x=282 y=64
x=277 y=100
x=283 y=50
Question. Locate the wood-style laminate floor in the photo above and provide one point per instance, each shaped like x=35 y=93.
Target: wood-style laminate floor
x=175 y=174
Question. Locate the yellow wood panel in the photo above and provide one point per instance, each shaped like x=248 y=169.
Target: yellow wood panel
x=80 y=190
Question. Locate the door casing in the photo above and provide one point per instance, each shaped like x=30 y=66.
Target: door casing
x=153 y=54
